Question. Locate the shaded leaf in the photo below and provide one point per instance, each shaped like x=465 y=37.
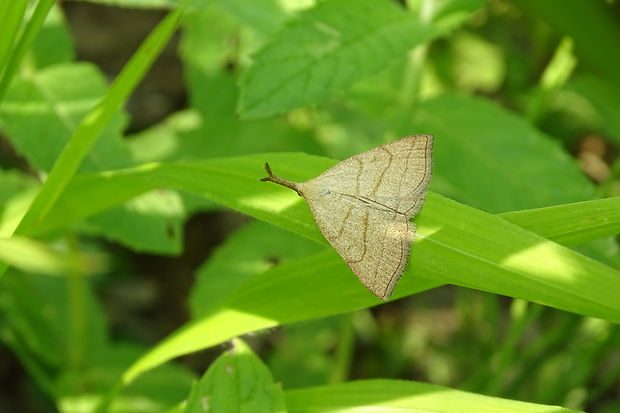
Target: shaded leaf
x=490 y=158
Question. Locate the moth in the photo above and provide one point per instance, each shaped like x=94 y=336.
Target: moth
x=363 y=206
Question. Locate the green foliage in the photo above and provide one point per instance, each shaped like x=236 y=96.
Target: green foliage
x=236 y=382
x=300 y=86
x=330 y=45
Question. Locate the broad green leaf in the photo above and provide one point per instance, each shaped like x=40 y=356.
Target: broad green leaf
x=589 y=227
x=489 y=158
x=510 y=256
x=397 y=396
x=89 y=194
x=325 y=50
x=456 y=244
x=237 y=381
x=571 y=224
x=42 y=111
x=466 y=249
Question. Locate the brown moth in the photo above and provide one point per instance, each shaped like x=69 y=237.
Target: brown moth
x=363 y=205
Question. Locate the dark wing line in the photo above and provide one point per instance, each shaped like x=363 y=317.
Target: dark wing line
x=372 y=203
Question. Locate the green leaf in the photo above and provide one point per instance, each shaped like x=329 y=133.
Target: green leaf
x=97 y=194
x=396 y=396
x=449 y=14
x=605 y=99
x=11 y=14
x=11 y=184
x=572 y=224
x=52 y=317
x=327 y=49
x=53 y=43
x=508 y=260
x=236 y=382
x=487 y=157
x=60 y=97
x=264 y=16
x=504 y=259
x=32 y=256
x=245 y=255
x=163 y=387
x=215 y=97
x=593 y=29
x=322 y=282
x=11 y=51
x=142 y=4
x=41 y=112
x=95 y=122
x=151 y=222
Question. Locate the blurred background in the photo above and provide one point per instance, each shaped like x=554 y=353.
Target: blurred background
x=536 y=61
